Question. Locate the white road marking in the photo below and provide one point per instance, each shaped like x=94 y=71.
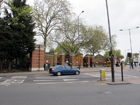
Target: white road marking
x=70 y=79
x=13 y=81
x=108 y=75
x=60 y=82
x=48 y=77
x=108 y=92
x=63 y=76
x=19 y=77
x=42 y=80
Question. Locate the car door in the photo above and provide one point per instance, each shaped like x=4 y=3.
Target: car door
x=69 y=70
x=63 y=69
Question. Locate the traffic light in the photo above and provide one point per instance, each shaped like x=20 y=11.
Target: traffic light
x=129 y=55
x=109 y=53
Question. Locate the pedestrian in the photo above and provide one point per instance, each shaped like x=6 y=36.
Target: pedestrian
x=135 y=64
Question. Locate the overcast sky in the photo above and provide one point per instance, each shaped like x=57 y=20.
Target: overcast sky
x=123 y=14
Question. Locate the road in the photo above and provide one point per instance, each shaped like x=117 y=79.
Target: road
x=80 y=89
x=45 y=79
x=87 y=93
x=42 y=79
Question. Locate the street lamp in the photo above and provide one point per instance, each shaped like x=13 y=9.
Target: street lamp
x=131 y=60
x=78 y=37
x=112 y=62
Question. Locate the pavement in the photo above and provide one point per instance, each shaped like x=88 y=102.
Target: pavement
x=91 y=70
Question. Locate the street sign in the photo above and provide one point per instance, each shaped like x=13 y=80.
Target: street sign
x=78 y=57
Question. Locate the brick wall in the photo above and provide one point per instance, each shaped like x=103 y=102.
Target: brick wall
x=37 y=60
x=62 y=58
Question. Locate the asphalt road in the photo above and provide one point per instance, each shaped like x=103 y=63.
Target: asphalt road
x=70 y=94
x=43 y=79
x=46 y=79
x=80 y=89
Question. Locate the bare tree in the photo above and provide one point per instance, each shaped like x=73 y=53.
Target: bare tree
x=1 y=1
x=67 y=36
x=48 y=16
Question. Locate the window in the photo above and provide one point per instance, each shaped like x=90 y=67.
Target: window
x=67 y=67
x=62 y=67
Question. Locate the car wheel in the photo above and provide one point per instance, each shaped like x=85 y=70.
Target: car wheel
x=77 y=73
x=58 y=73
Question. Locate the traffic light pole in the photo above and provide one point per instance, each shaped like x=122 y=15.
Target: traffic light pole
x=131 y=60
x=112 y=63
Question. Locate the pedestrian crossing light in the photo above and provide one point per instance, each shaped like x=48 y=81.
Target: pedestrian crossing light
x=129 y=55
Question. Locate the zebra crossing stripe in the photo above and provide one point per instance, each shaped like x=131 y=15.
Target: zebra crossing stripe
x=23 y=77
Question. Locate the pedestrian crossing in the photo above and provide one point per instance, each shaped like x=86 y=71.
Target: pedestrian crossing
x=108 y=75
x=42 y=80
x=48 y=79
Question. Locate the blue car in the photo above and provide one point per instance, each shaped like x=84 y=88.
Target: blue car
x=63 y=69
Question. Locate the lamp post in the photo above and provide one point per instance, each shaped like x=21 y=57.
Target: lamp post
x=78 y=37
x=112 y=62
x=131 y=60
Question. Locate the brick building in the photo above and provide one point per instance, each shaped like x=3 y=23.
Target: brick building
x=39 y=59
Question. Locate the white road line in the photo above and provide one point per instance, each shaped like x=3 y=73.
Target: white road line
x=70 y=79
x=19 y=77
x=60 y=82
x=56 y=77
x=4 y=83
x=13 y=81
x=42 y=80
x=108 y=75
x=63 y=76
x=41 y=77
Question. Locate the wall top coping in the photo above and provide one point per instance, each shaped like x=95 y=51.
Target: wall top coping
x=62 y=53
x=72 y=54
x=48 y=55
x=37 y=46
x=55 y=52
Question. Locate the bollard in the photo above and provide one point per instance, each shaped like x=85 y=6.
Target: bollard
x=102 y=75
x=122 y=70
x=123 y=66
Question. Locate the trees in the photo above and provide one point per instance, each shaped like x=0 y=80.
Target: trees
x=22 y=27
x=5 y=38
x=48 y=16
x=116 y=53
x=67 y=36
x=96 y=40
x=92 y=40
x=18 y=37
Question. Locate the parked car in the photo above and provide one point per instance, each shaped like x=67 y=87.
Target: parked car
x=63 y=69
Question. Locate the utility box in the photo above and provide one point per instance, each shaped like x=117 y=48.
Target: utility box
x=102 y=75
x=46 y=66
